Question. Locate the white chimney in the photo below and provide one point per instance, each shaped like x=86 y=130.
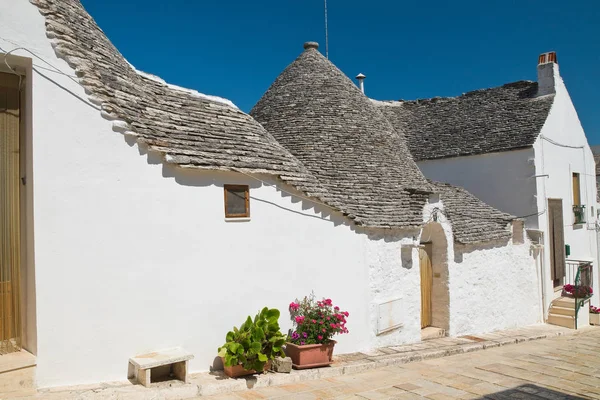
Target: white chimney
x=548 y=74
x=361 y=82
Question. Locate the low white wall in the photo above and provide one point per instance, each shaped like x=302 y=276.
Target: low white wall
x=393 y=264
x=493 y=286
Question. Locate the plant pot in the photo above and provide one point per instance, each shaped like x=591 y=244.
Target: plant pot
x=594 y=319
x=238 y=370
x=310 y=355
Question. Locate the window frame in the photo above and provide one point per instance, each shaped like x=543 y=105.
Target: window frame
x=576 y=184
x=579 y=211
x=246 y=189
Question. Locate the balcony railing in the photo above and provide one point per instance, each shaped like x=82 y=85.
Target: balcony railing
x=578 y=269
x=579 y=214
x=578 y=275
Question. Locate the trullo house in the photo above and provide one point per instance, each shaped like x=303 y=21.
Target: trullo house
x=142 y=216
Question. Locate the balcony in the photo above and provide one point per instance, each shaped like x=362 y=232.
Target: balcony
x=578 y=272
x=578 y=214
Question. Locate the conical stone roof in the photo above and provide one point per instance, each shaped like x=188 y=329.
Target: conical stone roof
x=342 y=138
x=190 y=129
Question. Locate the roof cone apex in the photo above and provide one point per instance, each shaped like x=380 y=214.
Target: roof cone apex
x=311 y=45
x=319 y=115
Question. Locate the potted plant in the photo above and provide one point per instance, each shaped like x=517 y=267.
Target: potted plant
x=594 y=315
x=579 y=292
x=252 y=347
x=315 y=324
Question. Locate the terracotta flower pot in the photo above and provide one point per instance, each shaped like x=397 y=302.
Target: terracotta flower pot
x=238 y=370
x=310 y=355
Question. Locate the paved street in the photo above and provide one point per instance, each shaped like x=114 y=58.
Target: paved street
x=563 y=367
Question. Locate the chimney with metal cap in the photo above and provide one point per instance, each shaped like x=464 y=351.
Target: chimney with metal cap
x=311 y=45
x=361 y=82
x=547 y=71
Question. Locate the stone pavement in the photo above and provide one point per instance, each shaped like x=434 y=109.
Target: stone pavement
x=561 y=367
x=393 y=372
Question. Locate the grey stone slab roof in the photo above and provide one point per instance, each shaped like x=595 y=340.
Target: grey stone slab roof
x=330 y=141
x=190 y=129
x=472 y=220
x=483 y=121
x=323 y=119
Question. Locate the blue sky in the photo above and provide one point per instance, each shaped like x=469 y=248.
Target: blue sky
x=408 y=50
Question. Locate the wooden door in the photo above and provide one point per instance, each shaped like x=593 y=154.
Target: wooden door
x=6 y=311
x=10 y=217
x=426 y=284
x=557 y=241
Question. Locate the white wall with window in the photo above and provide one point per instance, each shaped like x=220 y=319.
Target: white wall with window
x=565 y=162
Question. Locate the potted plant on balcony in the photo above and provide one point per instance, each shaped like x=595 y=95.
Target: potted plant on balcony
x=579 y=213
x=251 y=348
x=594 y=315
x=315 y=322
x=579 y=292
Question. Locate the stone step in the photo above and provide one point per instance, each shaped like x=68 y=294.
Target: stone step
x=562 y=320
x=566 y=302
x=562 y=311
x=431 y=332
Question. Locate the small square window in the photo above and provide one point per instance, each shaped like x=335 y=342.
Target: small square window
x=237 y=201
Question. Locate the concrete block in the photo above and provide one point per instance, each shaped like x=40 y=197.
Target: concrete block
x=282 y=365
x=140 y=367
x=143 y=376
x=180 y=371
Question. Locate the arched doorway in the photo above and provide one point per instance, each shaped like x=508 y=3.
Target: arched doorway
x=435 y=296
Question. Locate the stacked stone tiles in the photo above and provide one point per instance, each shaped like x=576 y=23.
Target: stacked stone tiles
x=323 y=119
x=191 y=130
x=330 y=141
x=483 y=121
x=472 y=220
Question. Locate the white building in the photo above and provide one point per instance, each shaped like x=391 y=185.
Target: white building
x=142 y=216
x=520 y=148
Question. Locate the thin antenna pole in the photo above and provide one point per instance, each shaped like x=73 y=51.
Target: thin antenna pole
x=326 y=33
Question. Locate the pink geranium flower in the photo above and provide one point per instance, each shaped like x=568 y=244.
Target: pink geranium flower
x=328 y=319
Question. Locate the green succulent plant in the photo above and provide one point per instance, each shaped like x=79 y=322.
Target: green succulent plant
x=255 y=342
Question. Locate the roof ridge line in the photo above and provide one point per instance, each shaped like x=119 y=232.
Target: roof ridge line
x=442 y=98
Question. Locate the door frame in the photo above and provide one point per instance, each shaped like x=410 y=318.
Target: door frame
x=426 y=249
x=24 y=67
x=556 y=253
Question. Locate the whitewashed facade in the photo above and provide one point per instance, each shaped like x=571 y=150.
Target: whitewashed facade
x=520 y=181
x=125 y=254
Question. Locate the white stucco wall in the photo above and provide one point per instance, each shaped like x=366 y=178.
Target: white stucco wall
x=503 y=180
x=516 y=181
x=393 y=264
x=133 y=256
x=552 y=158
x=492 y=286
